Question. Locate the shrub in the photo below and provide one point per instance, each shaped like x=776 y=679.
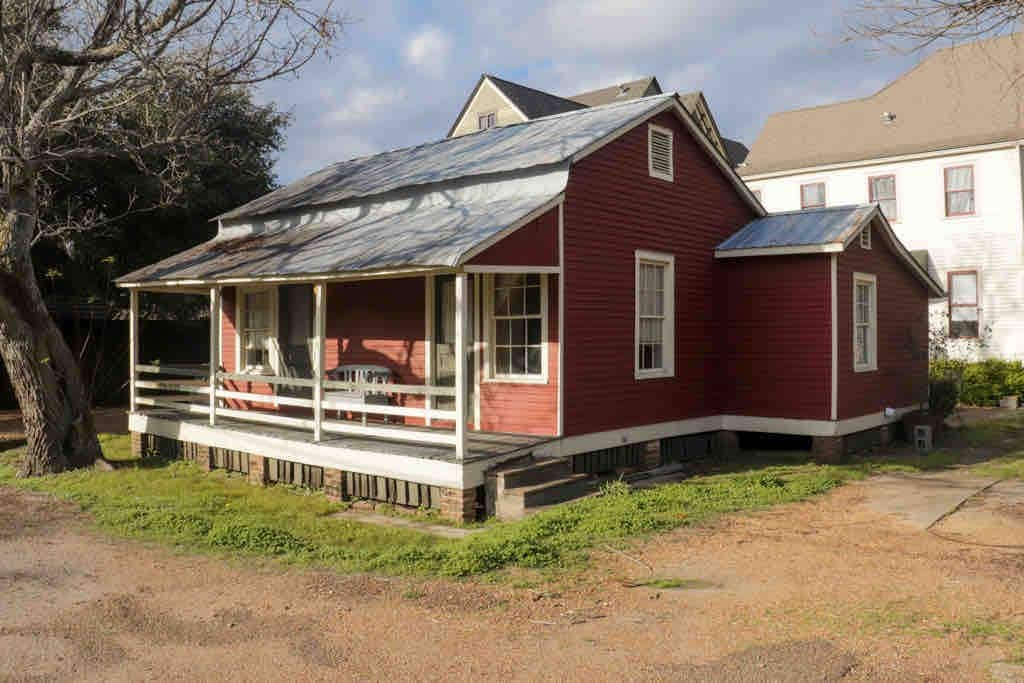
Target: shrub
x=943 y=395
x=984 y=383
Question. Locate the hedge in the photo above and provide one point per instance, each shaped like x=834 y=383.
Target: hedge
x=982 y=383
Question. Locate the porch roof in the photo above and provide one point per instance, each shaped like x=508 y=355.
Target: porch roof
x=432 y=230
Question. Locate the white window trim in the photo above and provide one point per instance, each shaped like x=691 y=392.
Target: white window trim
x=490 y=377
x=487 y=114
x=670 y=176
x=872 y=364
x=800 y=193
x=973 y=163
x=240 y=293
x=865 y=237
x=669 y=332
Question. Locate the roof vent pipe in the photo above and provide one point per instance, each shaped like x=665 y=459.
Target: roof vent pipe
x=888 y=117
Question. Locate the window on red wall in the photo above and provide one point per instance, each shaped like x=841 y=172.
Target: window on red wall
x=959 y=190
x=812 y=196
x=964 y=315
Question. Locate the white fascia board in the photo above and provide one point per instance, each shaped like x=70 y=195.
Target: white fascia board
x=830 y=248
x=937 y=290
x=881 y=161
x=198 y=286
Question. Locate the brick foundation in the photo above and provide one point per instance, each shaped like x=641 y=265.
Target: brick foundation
x=257 y=470
x=459 y=505
x=652 y=455
x=333 y=484
x=725 y=444
x=827 y=449
x=136 y=440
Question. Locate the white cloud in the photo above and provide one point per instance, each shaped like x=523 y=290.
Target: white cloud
x=364 y=105
x=427 y=51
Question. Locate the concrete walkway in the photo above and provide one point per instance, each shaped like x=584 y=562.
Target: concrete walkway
x=923 y=499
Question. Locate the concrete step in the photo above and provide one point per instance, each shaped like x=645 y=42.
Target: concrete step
x=536 y=472
x=518 y=502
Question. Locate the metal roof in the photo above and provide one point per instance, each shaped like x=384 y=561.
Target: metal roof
x=544 y=141
x=810 y=227
x=437 y=229
x=827 y=229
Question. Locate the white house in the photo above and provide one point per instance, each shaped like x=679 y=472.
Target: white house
x=940 y=149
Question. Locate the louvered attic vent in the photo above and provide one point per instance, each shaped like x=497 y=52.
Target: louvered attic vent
x=659 y=152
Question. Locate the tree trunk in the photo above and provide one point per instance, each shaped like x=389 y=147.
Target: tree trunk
x=43 y=371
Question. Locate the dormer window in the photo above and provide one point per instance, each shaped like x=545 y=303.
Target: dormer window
x=659 y=153
x=485 y=121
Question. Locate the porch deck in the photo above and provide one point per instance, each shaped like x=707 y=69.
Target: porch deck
x=480 y=446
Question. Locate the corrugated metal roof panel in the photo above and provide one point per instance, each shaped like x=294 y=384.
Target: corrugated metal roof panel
x=430 y=230
x=539 y=142
x=799 y=228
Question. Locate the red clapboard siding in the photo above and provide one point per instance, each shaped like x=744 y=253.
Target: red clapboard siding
x=613 y=207
x=776 y=339
x=534 y=244
x=902 y=376
x=526 y=408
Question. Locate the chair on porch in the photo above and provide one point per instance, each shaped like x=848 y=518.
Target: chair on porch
x=361 y=374
x=296 y=362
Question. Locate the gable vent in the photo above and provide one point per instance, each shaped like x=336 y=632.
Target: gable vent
x=659 y=148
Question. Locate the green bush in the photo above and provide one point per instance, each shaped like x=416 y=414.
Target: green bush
x=943 y=395
x=984 y=383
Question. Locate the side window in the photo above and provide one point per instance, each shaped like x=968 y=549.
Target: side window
x=882 y=189
x=812 y=196
x=655 y=315
x=865 y=323
x=963 y=294
x=485 y=121
x=518 y=321
x=959 y=182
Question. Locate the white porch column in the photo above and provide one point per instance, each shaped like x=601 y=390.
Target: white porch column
x=428 y=342
x=133 y=348
x=461 y=333
x=214 y=350
x=319 y=350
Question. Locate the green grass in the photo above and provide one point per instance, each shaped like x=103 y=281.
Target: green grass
x=673 y=584
x=176 y=503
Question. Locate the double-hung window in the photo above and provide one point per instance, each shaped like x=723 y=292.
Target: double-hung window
x=517 y=326
x=485 y=121
x=655 y=315
x=865 y=322
x=882 y=189
x=959 y=182
x=963 y=304
x=257 y=329
x=812 y=196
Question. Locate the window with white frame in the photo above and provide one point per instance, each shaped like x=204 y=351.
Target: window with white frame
x=812 y=195
x=882 y=189
x=964 y=315
x=655 y=317
x=256 y=329
x=865 y=323
x=659 y=153
x=518 y=322
x=485 y=121
x=959 y=181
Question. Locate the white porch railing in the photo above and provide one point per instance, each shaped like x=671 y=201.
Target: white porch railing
x=186 y=396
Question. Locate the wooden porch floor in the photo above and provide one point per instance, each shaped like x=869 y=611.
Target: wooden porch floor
x=479 y=445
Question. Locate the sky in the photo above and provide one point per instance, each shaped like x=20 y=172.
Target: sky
x=401 y=71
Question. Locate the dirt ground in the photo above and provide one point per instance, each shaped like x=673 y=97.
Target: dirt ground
x=817 y=591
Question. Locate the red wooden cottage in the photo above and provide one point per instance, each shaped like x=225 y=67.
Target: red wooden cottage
x=485 y=321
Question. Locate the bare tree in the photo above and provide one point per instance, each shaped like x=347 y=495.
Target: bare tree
x=911 y=25
x=94 y=79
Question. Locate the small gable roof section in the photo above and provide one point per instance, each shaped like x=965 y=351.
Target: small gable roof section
x=437 y=205
x=959 y=96
x=529 y=103
x=819 y=231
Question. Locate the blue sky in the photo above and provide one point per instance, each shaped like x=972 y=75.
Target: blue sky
x=402 y=70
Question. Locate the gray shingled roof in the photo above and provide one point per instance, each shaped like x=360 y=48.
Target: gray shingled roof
x=641 y=87
x=549 y=140
x=532 y=102
x=960 y=96
x=810 y=227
